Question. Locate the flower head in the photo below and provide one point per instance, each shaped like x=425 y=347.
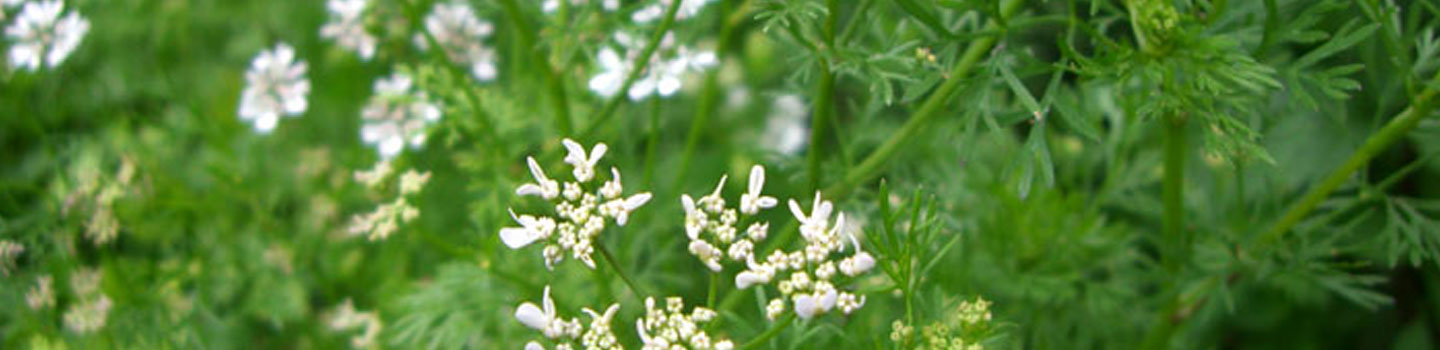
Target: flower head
x=663 y=73
x=346 y=318
x=396 y=116
x=672 y=328
x=9 y=251
x=808 y=277
x=275 y=86
x=652 y=12
x=42 y=36
x=580 y=212
x=712 y=227
x=597 y=335
x=346 y=27
x=461 y=35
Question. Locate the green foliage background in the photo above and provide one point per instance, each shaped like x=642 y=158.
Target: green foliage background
x=1033 y=150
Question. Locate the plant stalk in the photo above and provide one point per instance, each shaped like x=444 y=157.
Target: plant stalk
x=610 y=260
x=770 y=333
x=1174 y=192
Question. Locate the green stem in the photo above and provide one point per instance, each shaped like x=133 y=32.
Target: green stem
x=714 y=289
x=526 y=35
x=641 y=62
x=974 y=52
x=1393 y=131
x=770 y=333
x=1174 y=192
x=610 y=259
x=824 y=91
x=652 y=142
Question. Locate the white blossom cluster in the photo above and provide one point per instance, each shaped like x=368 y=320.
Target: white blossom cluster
x=663 y=73
x=397 y=115
x=9 y=251
x=386 y=219
x=275 y=86
x=671 y=328
x=656 y=10
x=91 y=307
x=94 y=192
x=461 y=35
x=786 y=130
x=808 y=277
x=42 y=295
x=346 y=318
x=580 y=212
x=40 y=36
x=550 y=6
x=564 y=333
x=346 y=26
x=712 y=227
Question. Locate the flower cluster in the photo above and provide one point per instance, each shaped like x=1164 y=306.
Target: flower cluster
x=386 y=218
x=549 y=6
x=786 y=131
x=564 y=332
x=275 y=86
x=807 y=276
x=42 y=295
x=346 y=26
x=672 y=328
x=580 y=213
x=712 y=227
x=91 y=306
x=346 y=318
x=95 y=193
x=665 y=67
x=42 y=37
x=964 y=328
x=460 y=34
x=9 y=251
x=396 y=115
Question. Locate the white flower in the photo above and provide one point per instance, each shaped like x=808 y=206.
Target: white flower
x=543 y=186
x=275 y=86
x=688 y=8
x=549 y=6
x=9 y=251
x=544 y=319
x=460 y=34
x=346 y=26
x=752 y=201
x=396 y=116
x=583 y=162
x=41 y=296
x=531 y=229
x=670 y=328
x=756 y=274
x=345 y=317
x=707 y=254
x=41 y=36
x=785 y=128
x=666 y=66
x=598 y=335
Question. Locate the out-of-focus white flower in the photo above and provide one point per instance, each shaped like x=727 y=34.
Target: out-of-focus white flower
x=91 y=308
x=42 y=295
x=662 y=76
x=387 y=218
x=275 y=86
x=549 y=6
x=786 y=131
x=461 y=35
x=9 y=251
x=581 y=211
x=41 y=36
x=346 y=318
x=396 y=116
x=652 y=12
x=347 y=27
x=672 y=328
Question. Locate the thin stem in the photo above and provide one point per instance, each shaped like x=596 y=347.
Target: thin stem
x=824 y=91
x=526 y=36
x=609 y=259
x=653 y=141
x=1174 y=192
x=770 y=333
x=1393 y=131
x=641 y=62
x=871 y=166
x=714 y=289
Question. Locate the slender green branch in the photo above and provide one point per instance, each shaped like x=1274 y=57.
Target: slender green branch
x=634 y=74
x=526 y=35
x=1393 y=131
x=610 y=260
x=770 y=333
x=928 y=110
x=1173 y=192
x=824 y=92
x=714 y=289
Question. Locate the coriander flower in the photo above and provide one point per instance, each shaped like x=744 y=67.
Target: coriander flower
x=41 y=296
x=712 y=228
x=786 y=131
x=671 y=328
x=460 y=34
x=9 y=251
x=396 y=116
x=665 y=68
x=91 y=307
x=40 y=35
x=275 y=86
x=387 y=218
x=597 y=335
x=809 y=277
x=580 y=209
x=652 y=12
x=346 y=318
x=346 y=26
x=549 y=6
